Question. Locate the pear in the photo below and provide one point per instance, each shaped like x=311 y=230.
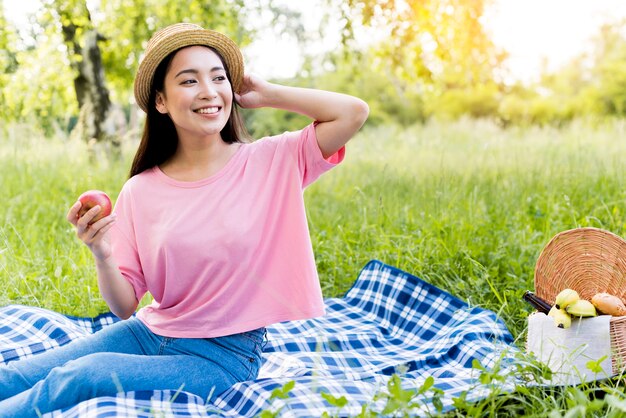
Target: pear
x=565 y=298
x=561 y=318
x=582 y=308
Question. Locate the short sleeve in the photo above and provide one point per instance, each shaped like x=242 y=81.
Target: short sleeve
x=124 y=244
x=311 y=162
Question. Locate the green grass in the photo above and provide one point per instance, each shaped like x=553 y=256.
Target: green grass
x=466 y=206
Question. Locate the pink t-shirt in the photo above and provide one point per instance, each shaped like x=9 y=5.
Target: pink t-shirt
x=228 y=253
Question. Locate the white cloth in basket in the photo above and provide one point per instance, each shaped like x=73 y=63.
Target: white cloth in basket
x=581 y=353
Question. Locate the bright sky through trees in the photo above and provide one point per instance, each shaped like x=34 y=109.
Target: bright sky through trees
x=557 y=30
x=530 y=30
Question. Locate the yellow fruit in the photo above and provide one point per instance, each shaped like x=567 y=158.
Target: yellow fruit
x=581 y=308
x=553 y=311
x=561 y=318
x=565 y=298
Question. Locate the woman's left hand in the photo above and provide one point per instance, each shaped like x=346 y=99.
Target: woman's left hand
x=253 y=92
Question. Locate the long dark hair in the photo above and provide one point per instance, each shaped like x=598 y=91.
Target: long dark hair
x=160 y=140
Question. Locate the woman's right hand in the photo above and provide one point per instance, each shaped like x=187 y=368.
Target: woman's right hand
x=94 y=235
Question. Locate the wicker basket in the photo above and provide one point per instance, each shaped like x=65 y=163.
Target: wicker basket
x=588 y=260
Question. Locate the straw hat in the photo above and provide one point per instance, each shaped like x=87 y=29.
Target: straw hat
x=180 y=35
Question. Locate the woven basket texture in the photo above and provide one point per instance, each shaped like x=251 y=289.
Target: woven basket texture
x=590 y=261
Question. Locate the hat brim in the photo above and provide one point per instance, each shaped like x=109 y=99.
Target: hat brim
x=170 y=42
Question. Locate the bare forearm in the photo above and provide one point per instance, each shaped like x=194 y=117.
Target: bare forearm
x=339 y=116
x=115 y=289
x=320 y=105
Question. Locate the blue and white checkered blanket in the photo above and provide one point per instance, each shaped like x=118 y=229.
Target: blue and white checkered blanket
x=390 y=324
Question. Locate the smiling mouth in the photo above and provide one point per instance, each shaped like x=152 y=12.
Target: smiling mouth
x=207 y=110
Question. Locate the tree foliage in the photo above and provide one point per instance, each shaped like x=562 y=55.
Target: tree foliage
x=41 y=89
x=127 y=26
x=609 y=69
x=435 y=59
x=410 y=60
x=8 y=56
x=38 y=87
x=442 y=42
x=438 y=60
x=592 y=85
x=8 y=61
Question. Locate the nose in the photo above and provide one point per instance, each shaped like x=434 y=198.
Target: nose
x=207 y=90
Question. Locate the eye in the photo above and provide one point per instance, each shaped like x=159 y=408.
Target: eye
x=220 y=78
x=190 y=81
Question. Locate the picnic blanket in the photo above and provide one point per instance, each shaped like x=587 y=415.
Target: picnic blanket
x=392 y=334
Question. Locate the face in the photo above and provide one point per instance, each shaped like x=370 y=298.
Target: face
x=196 y=94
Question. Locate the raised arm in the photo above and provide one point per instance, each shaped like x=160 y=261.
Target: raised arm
x=339 y=116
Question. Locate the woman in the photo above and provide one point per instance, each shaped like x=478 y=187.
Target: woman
x=212 y=226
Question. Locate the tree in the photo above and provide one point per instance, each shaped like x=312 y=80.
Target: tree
x=34 y=83
x=93 y=49
x=8 y=59
x=592 y=84
x=81 y=38
x=128 y=24
x=609 y=68
x=431 y=41
x=435 y=54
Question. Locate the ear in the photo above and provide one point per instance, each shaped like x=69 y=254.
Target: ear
x=160 y=103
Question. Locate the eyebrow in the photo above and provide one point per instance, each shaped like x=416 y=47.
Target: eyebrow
x=194 y=71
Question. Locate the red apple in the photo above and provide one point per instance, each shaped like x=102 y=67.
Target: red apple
x=92 y=198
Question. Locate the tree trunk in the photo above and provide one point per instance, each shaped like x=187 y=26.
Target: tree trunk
x=91 y=92
x=96 y=122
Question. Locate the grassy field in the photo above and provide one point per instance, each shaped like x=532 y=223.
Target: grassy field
x=466 y=206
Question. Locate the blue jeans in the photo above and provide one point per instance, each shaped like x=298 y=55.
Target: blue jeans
x=127 y=356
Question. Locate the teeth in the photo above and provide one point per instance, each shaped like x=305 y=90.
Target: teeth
x=208 y=110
